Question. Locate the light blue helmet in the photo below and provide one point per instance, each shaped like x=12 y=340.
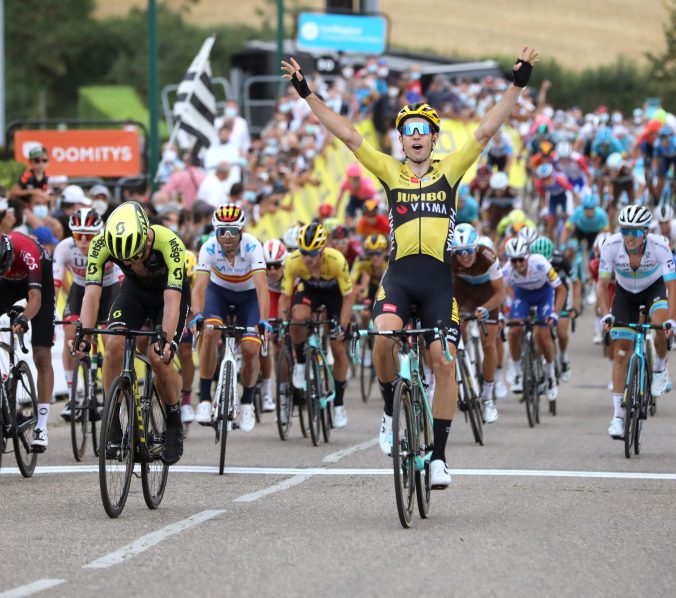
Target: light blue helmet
x=590 y=201
x=463 y=191
x=465 y=235
x=604 y=136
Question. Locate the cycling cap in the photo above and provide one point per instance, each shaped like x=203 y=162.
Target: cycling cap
x=312 y=237
x=85 y=220
x=465 y=235
x=229 y=214
x=375 y=243
x=636 y=216
x=542 y=246
x=516 y=247
x=126 y=231
x=663 y=213
x=499 y=180
x=274 y=252
x=422 y=110
x=544 y=171
x=589 y=201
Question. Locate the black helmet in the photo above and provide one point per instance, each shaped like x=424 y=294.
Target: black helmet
x=6 y=253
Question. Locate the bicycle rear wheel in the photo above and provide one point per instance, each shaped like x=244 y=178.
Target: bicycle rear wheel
x=284 y=403
x=473 y=406
x=25 y=399
x=79 y=408
x=423 y=485
x=312 y=404
x=632 y=396
x=116 y=457
x=325 y=390
x=258 y=402
x=154 y=474
x=403 y=453
x=227 y=384
x=366 y=373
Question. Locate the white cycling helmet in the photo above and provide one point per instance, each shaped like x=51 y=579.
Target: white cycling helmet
x=600 y=241
x=486 y=241
x=499 y=180
x=465 y=235
x=635 y=216
x=528 y=234
x=663 y=213
x=274 y=252
x=615 y=161
x=516 y=248
x=564 y=149
x=290 y=237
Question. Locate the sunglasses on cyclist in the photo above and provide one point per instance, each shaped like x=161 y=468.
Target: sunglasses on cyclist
x=517 y=260
x=411 y=129
x=83 y=236
x=463 y=251
x=227 y=231
x=632 y=232
x=274 y=266
x=311 y=252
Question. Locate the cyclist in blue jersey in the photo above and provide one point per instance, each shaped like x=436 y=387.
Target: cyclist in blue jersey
x=604 y=144
x=586 y=221
x=468 y=208
x=665 y=158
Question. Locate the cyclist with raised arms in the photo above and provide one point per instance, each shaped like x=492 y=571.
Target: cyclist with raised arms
x=323 y=277
x=230 y=271
x=71 y=255
x=422 y=205
x=534 y=283
x=644 y=275
x=479 y=289
x=155 y=287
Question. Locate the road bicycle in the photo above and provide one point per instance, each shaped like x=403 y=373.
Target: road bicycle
x=83 y=401
x=133 y=426
x=288 y=400
x=367 y=371
x=18 y=403
x=637 y=401
x=320 y=387
x=412 y=434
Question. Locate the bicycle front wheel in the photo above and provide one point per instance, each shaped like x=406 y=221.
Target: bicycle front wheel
x=224 y=400
x=366 y=373
x=79 y=409
x=403 y=453
x=25 y=399
x=314 y=408
x=632 y=397
x=116 y=455
x=473 y=406
x=423 y=485
x=325 y=389
x=154 y=474
x=284 y=403
x=530 y=386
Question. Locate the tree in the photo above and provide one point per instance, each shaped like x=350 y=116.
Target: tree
x=664 y=65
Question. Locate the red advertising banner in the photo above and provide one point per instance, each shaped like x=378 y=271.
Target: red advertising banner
x=83 y=152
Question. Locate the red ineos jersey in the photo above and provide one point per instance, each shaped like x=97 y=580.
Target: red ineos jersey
x=26 y=264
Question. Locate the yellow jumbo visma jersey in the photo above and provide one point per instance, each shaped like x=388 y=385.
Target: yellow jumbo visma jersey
x=334 y=273
x=421 y=210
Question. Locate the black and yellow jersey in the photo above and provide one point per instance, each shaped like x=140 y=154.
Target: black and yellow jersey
x=164 y=268
x=334 y=273
x=421 y=210
x=362 y=266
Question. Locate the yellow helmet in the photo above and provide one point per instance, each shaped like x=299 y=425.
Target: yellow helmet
x=422 y=110
x=190 y=263
x=375 y=243
x=312 y=237
x=126 y=231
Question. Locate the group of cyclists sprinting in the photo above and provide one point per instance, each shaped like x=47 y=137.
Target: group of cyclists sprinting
x=453 y=250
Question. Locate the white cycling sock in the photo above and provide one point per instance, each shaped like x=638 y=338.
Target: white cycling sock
x=267 y=386
x=617 y=405
x=517 y=367
x=487 y=392
x=69 y=377
x=499 y=375
x=660 y=363
x=43 y=414
x=564 y=357
x=551 y=371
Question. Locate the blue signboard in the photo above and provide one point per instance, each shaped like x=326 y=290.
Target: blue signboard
x=342 y=33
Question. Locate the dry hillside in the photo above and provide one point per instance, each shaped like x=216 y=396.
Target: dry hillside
x=578 y=33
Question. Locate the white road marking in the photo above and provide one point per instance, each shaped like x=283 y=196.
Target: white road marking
x=149 y=540
x=32 y=588
x=313 y=471
x=279 y=487
x=338 y=455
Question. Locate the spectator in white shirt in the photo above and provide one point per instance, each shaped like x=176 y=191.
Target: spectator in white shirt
x=240 y=137
x=216 y=186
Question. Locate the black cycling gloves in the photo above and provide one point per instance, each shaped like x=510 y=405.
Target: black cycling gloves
x=300 y=85
x=522 y=76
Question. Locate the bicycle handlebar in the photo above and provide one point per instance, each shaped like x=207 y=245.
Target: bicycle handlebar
x=13 y=313
x=440 y=332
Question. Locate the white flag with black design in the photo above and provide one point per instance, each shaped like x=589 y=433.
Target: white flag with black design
x=195 y=107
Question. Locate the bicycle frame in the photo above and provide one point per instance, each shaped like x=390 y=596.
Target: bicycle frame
x=228 y=356
x=314 y=341
x=9 y=409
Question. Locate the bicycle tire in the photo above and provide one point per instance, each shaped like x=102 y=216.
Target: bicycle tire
x=312 y=405
x=649 y=370
x=403 y=454
x=423 y=485
x=26 y=418
x=227 y=382
x=541 y=382
x=473 y=406
x=258 y=402
x=79 y=409
x=530 y=386
x=366 y=374
x=94 y=415
x=478 y=364
x=284 y=402
x=632 y=396
x=117 y=424
x=325 y=388
x=302 y=416
x=154 y=474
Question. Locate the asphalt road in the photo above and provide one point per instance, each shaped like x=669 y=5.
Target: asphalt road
x=555 y=510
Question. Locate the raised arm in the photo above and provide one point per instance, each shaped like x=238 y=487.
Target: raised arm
x=337 y=124
x=499 y=114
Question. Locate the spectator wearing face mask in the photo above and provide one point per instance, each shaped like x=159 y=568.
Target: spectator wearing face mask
x=182 y=186
x=34 y=183
x=38 y=213
x=170 y=163
x=72 y=199
x=100 y=196
x=225 y=151
x=240 y=137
